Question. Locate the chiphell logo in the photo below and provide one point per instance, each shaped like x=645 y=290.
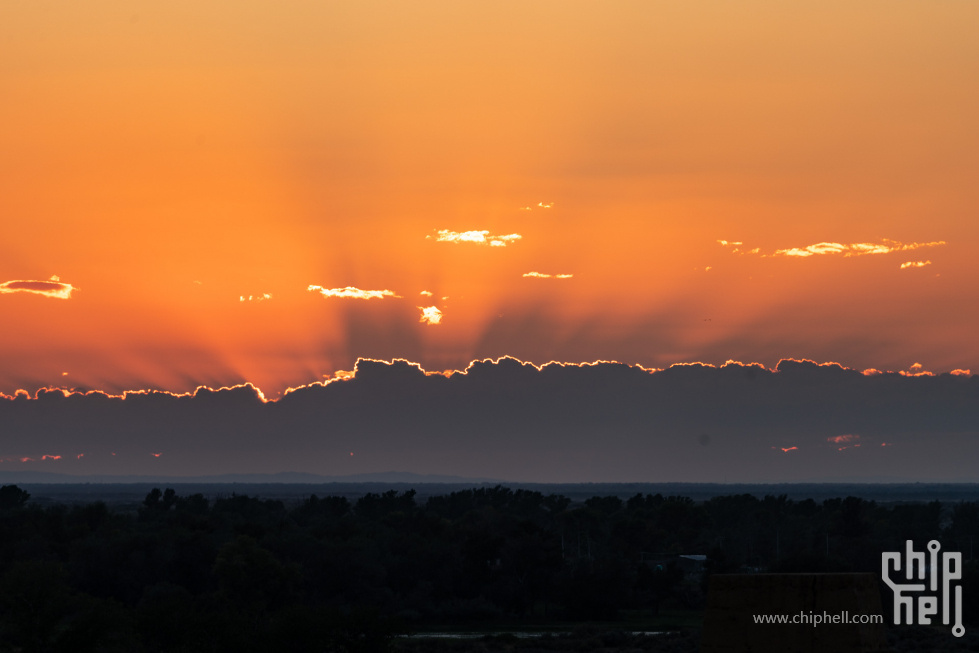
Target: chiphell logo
x=917 y=565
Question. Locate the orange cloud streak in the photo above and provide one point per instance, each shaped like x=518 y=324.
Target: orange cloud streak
x=843 y=439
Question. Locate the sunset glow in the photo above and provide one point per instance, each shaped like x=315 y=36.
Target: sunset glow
x=257 y=197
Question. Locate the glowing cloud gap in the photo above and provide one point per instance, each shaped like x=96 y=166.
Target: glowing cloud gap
x=481 y=237
x=541 y=275
x=52 y=288
x=354 y=293
x=430 y=315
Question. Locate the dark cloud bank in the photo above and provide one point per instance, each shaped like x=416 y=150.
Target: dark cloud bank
x=508 y=420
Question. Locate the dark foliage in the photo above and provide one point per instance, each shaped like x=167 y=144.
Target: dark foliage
x=245 y=574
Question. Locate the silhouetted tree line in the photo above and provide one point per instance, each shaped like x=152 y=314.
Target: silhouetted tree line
x=246 y=574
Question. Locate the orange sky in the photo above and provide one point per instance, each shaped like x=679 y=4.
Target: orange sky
x=169 y=161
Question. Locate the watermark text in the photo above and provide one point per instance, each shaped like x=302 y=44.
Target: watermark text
x=814 y=619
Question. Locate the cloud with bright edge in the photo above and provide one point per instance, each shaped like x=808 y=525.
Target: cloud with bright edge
x=917 y=369
x=51 y=288
x=541 y=275
x=430 y=315
x=886 y=246
x=426 y=293
x=481 y=237
x=914 y=264
x=854 y=249
x=353 y=293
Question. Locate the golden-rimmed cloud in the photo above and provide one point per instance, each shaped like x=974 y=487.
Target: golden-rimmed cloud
x=480 y=237
x=541 y=275
x=916 y=369
x=353 y=293
x=430 y=315
x=914 y=264
x=426 y=293
x=51 y=288
x=886 y=246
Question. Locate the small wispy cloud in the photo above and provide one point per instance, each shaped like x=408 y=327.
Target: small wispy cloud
x=847 y=441
x=843 y=439
x=541 y=275
x=736 y=247
x=255 y=298
x=353 y=293
x=51 y=288
x=540 y=205
x=426 y=293
x=481 y=237
x=430 y=315
x=914 y=264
